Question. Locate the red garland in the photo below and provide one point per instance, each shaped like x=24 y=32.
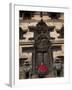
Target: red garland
x=42 y=68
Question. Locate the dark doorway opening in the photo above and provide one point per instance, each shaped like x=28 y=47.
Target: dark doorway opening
x=41 y=76
x=58 y=73
x=27 y=75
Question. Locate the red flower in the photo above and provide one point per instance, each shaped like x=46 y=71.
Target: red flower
x=42 y=68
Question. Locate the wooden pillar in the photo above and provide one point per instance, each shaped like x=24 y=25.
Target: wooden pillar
x=33 y=61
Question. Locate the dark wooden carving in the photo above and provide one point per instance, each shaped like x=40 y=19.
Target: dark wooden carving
x=56 y=48
x=61 y=32
x=21 y=33
x=54 y=15
x=26 y=14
